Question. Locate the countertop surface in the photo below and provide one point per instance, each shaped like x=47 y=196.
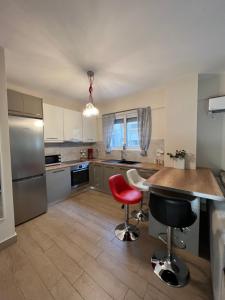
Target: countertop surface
x=144 y=165
x=200 y=182
x=141 y=165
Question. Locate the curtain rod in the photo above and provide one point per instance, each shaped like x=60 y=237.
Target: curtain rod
x=121 y=111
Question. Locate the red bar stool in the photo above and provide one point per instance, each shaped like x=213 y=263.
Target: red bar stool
x=127 y=195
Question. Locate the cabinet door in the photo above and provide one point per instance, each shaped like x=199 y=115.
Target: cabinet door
x=107 y=172
x=72 y=125
x=32 y=106
x=123 y=171
x=89 y=129
x=15 y=101
x=58 y=184
x=53 y=123
x=96 y=176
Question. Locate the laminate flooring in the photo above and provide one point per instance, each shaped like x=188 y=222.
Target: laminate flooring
x=71 y=253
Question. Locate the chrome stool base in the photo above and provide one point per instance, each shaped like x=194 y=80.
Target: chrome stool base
x=140 y=215
x=172 y=270
x=127 y=232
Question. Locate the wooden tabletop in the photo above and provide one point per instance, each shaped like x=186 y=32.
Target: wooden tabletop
x=200 y=182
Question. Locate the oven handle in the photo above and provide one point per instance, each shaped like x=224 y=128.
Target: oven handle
x=77 y=171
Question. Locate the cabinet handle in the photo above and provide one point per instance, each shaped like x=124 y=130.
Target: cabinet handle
x=58 y=171
x=48 y=138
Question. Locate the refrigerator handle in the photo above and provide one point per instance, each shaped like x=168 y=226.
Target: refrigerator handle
x=30 y=177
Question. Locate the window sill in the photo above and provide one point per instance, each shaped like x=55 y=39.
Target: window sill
x=129 y=149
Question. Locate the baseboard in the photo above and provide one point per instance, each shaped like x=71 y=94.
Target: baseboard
x=6 y=243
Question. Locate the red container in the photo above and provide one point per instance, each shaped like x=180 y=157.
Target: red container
x=90 y=153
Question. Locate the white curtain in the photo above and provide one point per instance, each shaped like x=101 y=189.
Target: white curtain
x=144 y=128
x=107 y=124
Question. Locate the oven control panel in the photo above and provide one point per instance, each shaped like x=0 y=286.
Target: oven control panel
x=80 y=166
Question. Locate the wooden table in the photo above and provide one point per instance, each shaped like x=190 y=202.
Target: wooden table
x=200 y=182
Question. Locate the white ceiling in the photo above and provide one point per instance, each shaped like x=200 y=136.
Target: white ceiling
x=130 y=44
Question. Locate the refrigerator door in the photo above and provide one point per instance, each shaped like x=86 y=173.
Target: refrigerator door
x=29 y=196
x=27 y=147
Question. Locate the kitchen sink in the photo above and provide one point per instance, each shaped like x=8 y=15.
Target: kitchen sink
x=117 y=161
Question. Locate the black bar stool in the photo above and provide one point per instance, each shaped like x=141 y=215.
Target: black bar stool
x=173 y=210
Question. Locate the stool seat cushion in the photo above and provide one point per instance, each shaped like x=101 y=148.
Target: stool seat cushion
x=122 y=191
x=136 y=180
x=172 y=209
x=129 y=197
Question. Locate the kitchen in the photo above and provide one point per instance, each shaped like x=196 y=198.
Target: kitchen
x=92 y=160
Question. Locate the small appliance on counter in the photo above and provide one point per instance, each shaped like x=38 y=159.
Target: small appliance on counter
x=54 y=159
x=83 y=154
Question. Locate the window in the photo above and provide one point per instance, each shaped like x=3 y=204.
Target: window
x=125 y=131
x=132 y=133
x=118 y=134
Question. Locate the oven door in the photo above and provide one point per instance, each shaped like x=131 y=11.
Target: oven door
x=79 y=177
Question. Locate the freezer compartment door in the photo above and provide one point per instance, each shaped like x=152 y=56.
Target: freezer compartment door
x=30 y=198
x=27 y=146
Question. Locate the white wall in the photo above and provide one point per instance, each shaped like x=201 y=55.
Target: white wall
x=181 y=118
x=211 y=130
x=7 y=227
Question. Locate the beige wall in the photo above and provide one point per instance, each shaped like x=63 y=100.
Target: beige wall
x=154 y=98
x=211 y=129
x=66 y=103
x=7 y=227
x=181 y=118
x=223 y=144
x=174 y=114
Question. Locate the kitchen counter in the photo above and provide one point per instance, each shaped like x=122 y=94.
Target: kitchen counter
x=141 y=165
x=144 y=165
x=200 y=182
x=61 y=166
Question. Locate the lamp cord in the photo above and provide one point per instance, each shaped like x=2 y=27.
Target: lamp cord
x=91 y=79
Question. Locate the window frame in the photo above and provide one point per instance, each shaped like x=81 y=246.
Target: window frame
x=125 y=115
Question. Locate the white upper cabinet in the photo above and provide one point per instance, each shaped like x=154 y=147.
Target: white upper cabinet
x=89 y=129
x=53 y=123
x=72 y=125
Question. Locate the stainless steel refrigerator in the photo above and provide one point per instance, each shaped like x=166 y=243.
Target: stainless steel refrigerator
x=28 y=167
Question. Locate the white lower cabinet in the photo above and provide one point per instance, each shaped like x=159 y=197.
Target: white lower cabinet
x=53 y=123
x=89 y=129
x=72 y=125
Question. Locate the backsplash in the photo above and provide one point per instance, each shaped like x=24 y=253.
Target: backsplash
x=71 y=151
x=68 y=151
x=155 y=145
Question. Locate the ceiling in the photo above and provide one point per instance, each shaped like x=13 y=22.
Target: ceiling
x=130 y=44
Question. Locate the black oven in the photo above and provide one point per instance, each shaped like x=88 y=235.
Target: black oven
x=54 y=159
x=80 y=174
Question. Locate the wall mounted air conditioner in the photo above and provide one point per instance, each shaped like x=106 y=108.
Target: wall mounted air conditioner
x=217 y=104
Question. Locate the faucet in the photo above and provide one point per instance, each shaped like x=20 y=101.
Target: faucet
x=123 y=152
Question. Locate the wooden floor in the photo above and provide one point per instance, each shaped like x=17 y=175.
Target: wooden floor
x=71 y=253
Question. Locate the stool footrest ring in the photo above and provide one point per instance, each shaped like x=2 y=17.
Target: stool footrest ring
x=127 y=232
x=140 y=215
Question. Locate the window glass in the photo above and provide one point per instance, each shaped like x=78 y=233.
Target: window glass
x=132 y=133
x=118 y=134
